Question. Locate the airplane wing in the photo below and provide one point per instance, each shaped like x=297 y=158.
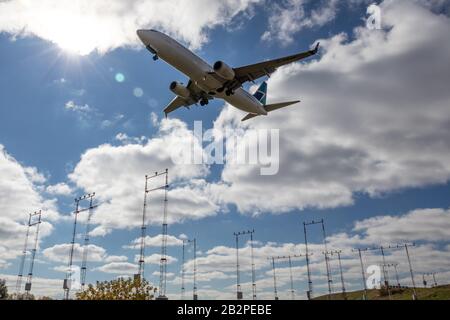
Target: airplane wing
x=266 y=68
x=175 y=104
x=196 y=95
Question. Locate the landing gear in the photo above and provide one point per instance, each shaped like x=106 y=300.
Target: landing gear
x=220 y=90
x=155 y=57
x=204 y=102
x=229 y=92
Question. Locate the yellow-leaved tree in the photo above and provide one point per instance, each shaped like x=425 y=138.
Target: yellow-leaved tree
x=118 y=289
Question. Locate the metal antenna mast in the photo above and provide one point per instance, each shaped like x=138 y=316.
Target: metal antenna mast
x=383 y=267
x=406 y=247
x=291 y=276
x=429 y=274
x=309 y=293
x=140 y=274
x=68 y=280
x=183 y=270
x=411 y=271
x=238 y=280
x=24 y=255
x=289 y=259
x=393 y=247
x=434 y=278
x=363 y=272
x=338 y=253
x=33 y=251
x=253 y=266
x=327 y=263
x=385 y=274
x=274 y=279
x=86 y=241
x=239 y=293
x=395 y=265
x=329 y=278
x=194 y=291
x=163 y=261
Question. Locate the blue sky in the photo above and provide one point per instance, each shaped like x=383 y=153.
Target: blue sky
x=361 y=152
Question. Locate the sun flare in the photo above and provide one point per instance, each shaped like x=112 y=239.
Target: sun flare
x=77 y=35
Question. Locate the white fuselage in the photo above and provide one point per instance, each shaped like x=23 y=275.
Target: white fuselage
x=198 y=70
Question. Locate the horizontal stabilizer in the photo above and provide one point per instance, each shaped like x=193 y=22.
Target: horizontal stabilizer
x=270 y=108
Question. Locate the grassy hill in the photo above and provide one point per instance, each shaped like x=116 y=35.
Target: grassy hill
x=437 y=293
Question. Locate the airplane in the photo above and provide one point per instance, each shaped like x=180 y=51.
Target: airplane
x=218 y=81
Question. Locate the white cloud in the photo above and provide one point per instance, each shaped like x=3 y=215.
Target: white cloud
x=100 y=231
x=125 y=139
x=291 y=16
x=116 y=259
x=367 y=122
x=155 y=242
x=118 y=268
x=117 y=174
x=155 y=259
x=62 y=189
x=431 y=225
x=84 y=26
x=72 y=106
x=20 y=194
x=60 y=252
x=108 y=123
x=83 y=112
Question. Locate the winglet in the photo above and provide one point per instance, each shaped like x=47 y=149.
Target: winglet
x=316 y=49
x=249 y=116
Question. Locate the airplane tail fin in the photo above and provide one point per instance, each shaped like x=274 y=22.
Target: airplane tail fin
x=261 y=93
x=270 y=108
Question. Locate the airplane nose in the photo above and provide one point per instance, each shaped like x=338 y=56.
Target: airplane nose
x=142 y=35
x=147 y=36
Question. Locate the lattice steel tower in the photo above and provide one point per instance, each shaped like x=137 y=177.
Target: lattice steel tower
x=34 y=219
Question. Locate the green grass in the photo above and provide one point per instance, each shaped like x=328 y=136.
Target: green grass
x=437 y=293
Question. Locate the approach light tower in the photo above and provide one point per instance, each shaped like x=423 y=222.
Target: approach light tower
x=86 y=242
x=239 y=294
x=37 y=223
x=163 y=261
x=341 y=271
x=309 y=293
x=187 y=242
x=291 y=275
x=69 y=275
x=34 y=219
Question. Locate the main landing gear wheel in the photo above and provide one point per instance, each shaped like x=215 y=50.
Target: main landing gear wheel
x=155 y=57
x=229 y=92
x=204 y=102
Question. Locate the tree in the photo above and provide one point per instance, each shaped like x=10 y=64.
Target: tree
x=3 y=290
x=21 y=296
x=119 y=289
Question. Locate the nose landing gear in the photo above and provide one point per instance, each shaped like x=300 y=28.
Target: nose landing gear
x=229 y=92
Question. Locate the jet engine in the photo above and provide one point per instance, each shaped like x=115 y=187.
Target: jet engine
x=180 y=90
x=224 y=71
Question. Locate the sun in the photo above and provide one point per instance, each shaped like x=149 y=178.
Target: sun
x=76 y=46
x=77 y=35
